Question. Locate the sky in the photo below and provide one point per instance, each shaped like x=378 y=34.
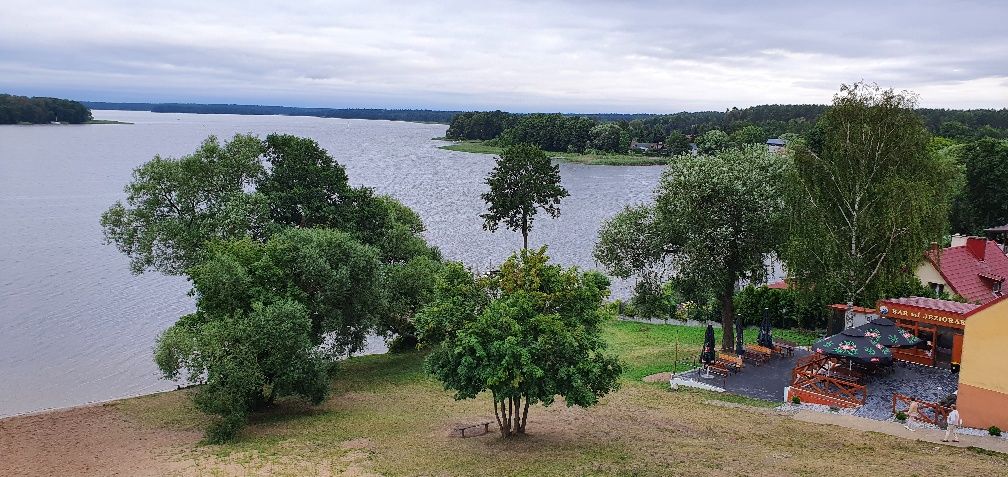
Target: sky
x=583 y=56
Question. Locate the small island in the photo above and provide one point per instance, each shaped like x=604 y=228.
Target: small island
x=43 y=110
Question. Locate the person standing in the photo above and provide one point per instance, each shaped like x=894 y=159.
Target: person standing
x=912 y=415
x=953 y=422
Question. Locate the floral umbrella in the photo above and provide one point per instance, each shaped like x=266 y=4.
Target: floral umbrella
x=886 y=333
x=707 y=354
x=854 y=345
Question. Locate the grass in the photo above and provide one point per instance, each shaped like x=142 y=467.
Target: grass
x=105 y=121
x=479 y=147
x=385 y=416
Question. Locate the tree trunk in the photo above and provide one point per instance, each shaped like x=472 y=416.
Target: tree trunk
x=497 y=413
x=728 y=318
x=525 y=232
x=524 y=419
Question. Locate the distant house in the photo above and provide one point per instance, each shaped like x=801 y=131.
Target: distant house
x=999 y=235
x=645 y=146
x=973 y=268
x=775 y=145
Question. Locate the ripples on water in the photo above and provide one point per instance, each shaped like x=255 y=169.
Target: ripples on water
x=77 y=327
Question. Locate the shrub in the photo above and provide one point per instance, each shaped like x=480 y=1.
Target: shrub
x=901 y=416
x=795 y=400
x=994 y=430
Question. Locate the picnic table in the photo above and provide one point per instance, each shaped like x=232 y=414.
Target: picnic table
x=758 y=354
x=731 y=361
x=785 y=348
x=844 y=374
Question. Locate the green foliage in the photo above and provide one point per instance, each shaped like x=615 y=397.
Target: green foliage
x=522 y=182
x=901 y=416
x=41 y=110
x=795 y=400
x=868 y=196
x=983 y=202
x=994 y=431
x=712 y=142
x=714 y=218
x=676 y=143
x=538 y=337
x=750 y=134
x=175 y=207
x=305 y=187
x=606 y=137
x=785 y=307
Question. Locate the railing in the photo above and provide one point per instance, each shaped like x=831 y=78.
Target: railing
x=810 y=376
x=928 y=412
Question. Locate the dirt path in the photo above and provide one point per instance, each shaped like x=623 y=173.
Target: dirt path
x=896 y=429
x=84 y=441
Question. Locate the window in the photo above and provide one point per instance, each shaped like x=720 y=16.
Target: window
x=997 y=288
x=937 y=288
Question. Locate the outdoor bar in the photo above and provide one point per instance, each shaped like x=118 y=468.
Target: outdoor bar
x=938 y=323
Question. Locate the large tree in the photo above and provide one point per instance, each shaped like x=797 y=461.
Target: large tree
x=175 y=207
x=868 y=196
x=526 y=336
x=714 y=221
x=522 y=182
x=983 y=202
x=269 y=318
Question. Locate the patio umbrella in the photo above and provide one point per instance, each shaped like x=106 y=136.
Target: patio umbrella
x=854 y=345
x=765 y=337
x=739 y=340
x=707 y=353
x=886 y=333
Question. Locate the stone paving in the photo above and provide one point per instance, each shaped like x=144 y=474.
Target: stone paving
x=768 y=381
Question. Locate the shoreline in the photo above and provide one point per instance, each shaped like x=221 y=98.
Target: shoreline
x=73 y=407
x=627 y=160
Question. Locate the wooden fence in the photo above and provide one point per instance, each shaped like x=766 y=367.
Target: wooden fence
x=929 y=412
x=812 y=382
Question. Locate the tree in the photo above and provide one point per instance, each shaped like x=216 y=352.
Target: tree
x=713 y=222
x=749 y=134
x=175 y=207
x=537 y=338
x=522 y=182
x=712 y=142
x=269 y=319
x=868 y=196
x=305 y=187
x=676 y=143
x=606 y=137
x=983 y=202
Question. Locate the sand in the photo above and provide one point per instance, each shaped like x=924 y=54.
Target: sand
x=89 y=440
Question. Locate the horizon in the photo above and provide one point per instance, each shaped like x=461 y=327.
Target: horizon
x=636 y=58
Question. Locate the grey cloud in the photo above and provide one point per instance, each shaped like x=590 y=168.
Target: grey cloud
x=574 y=56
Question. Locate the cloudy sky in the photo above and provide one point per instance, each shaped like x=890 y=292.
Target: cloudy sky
x=582 y=56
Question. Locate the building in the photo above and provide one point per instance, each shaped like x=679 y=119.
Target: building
x=775 y=145
x=939 y=323
x=646 y=147
x=983 y=378
x=973 y=268
x=999 y=235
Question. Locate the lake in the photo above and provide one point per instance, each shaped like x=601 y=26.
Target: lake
x=76 y=326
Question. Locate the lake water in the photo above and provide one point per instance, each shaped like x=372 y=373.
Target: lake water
x=77 y=327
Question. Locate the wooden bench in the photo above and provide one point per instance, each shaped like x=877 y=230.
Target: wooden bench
x=717 y=367
x=462 y=428
x=731 y=361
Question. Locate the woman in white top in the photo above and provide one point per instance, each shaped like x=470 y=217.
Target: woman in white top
x=953 y=425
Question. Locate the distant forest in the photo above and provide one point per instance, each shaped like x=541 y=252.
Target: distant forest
x=614 y=132
x=415 y=115
x=41 y=110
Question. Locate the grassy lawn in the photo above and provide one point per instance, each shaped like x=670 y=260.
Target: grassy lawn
x=591 y=159
x=385 y=416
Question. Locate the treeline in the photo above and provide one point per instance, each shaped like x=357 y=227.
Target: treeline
x=41 y=110
x=614 y=133
x=415 y=115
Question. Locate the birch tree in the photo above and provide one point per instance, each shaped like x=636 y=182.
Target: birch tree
x=868 y=196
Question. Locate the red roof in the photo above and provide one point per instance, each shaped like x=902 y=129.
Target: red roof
x=778 y=285
x=857 y=309
x=972 y=269
x=934 y=304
